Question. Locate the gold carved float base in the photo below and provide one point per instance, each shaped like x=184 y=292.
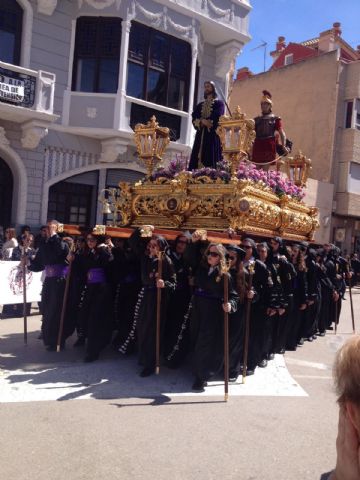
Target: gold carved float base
x=184 y=202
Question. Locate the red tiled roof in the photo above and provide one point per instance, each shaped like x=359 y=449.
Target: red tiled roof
x=299 y=52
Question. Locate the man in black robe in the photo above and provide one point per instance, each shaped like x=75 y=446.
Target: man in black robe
x=206 y=150
x=51 y=257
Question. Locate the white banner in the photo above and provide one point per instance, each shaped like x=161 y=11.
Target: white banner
x=11 y=284
x=12 y=89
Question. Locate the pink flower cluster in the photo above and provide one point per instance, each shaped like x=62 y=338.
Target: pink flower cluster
x=278 y=183
x=273 y=179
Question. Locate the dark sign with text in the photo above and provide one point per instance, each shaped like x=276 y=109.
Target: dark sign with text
x=17 y=88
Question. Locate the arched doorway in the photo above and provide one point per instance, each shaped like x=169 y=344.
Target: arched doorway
x=6 y=193
x=73 y=200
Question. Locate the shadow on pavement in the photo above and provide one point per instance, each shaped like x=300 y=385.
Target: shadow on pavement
x=42 y=375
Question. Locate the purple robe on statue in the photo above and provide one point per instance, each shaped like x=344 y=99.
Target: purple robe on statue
x=206 y=150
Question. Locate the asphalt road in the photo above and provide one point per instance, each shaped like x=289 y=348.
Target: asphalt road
x=63 y=419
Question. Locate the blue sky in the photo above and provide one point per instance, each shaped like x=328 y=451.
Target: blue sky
x=296 y=20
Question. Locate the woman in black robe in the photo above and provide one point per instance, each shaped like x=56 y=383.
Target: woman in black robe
x=314 y=296
x=327 y=293
x=126 y=278
x=95 y=319
x=294 y=338
x=178 y=305
x=147 y=306
x=262 y=286
x=207 y=318
x=52 y=257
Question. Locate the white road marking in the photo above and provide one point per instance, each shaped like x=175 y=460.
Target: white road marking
x=305 y=363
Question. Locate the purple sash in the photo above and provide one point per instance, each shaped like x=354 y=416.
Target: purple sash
x=56 y=271
x=96 y=275
x=200 y=292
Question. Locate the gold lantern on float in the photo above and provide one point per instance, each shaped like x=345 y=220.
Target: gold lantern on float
x=298 y=168
x=151 y=141
x=237 y=134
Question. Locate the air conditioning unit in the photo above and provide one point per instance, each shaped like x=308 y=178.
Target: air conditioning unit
x=340 y=234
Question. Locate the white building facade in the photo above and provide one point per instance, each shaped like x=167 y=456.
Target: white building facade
x=75 y=78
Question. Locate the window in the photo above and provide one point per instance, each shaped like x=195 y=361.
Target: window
x=10 y=31
x=140 y=114
x=158 y=67
x=70 y=203
x=289 y=59
x=352 y=114
x=354 y=178
x=97 y=54
x=357 y=114
x=349 y=110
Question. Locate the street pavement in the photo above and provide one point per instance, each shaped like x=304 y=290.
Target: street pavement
x=63 y=419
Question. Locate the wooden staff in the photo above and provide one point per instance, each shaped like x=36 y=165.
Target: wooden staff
x=247 y=321
x=23 y=272
x=351 y=299
x=158 y=314
x=226 y=338
x=336 y=315
x=63 y=309
x=336 y=303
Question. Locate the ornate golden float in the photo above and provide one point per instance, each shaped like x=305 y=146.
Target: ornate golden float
x=213 y=200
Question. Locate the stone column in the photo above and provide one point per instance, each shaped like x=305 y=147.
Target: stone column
x=194 y=51
x=101 y=186
x=119 y=120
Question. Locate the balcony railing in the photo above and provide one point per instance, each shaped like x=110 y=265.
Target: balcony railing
x=30 y=91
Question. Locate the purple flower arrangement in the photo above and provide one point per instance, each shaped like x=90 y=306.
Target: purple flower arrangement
x=279 y=184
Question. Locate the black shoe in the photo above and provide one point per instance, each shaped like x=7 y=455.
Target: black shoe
x=263 y=363
x=199 y=385
x=291 y=349
x=146 y=372
x=314 y=337
x=91 y=357
x=40 y=336
x=310 y=339
x=281 y=351
x=301 y=342
x=321 y=334
x=51 y=348
x=250 y=372
x=79 y=342
x=233 y=376
x=330 y=328
x=271 y=356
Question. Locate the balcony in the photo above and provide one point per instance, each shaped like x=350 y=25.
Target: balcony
x=349 y=145
x=348 y=204
x=27 y=98
x=225 y=20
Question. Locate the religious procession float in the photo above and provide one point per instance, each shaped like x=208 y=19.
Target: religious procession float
x=235 y=197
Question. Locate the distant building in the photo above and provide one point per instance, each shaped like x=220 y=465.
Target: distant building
x=76 y=76
x=316 y=90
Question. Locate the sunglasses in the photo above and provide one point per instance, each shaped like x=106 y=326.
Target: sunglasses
x=213 y=254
